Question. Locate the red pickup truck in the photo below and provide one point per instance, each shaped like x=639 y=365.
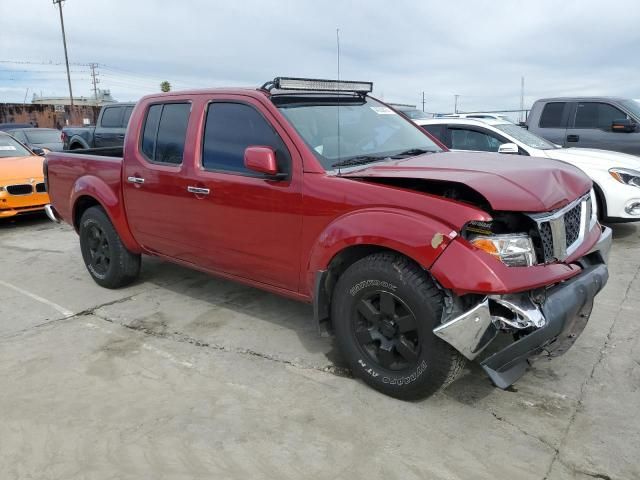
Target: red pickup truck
x=416 y=258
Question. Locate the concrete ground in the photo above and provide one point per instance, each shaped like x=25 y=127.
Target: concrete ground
x=187 y=376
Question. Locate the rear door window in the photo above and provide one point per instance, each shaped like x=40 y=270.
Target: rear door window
x=597 y=115
x=164 y=133
x=553 y=115
x=112 y=117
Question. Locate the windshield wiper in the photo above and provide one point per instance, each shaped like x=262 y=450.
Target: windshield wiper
x=412 y=152
x=359 y=160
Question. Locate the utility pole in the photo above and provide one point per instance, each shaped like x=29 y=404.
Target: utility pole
x=423 y=101
x=66 y=58
x=522 y=119
x=455 y=103
x=94 y=80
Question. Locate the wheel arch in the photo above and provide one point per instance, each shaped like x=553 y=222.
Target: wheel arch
x=326 y=280
x=92 y=191
x=601 y=200
x=76 y=142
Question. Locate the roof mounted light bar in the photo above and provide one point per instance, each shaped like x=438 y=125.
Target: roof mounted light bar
x=318 y=85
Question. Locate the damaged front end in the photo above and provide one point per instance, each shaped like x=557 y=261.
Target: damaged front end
x=503 y=332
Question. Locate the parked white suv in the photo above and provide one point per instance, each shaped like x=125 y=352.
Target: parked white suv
x=616 y=176
x=479 y=116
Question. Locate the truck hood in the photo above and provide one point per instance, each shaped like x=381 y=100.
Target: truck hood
x=534 y=185
x=20 y=168
x=593 y=157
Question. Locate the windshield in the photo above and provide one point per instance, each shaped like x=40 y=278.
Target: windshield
x=633 y=106
x=43 y=136
x=12 y=148
x=338 y=129
x=525 y=136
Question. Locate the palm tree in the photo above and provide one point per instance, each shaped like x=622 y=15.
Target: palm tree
x=165 y=86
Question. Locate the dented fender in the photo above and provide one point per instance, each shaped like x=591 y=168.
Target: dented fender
x=415 y=235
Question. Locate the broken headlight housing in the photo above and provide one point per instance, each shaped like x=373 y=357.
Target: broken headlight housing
x=514 y=250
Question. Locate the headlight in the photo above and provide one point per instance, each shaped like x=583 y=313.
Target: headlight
x=514 y=250
x=626 y=176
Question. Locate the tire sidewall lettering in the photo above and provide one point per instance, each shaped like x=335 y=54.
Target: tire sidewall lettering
x=372 y=283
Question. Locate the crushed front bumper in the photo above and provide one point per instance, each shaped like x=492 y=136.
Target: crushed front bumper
x=550 y=325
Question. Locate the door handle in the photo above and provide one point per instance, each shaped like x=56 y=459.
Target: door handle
x=573 y=138
x=198 y=190
x=137 y=180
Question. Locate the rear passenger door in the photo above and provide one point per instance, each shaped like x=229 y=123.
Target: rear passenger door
x=249 y=224
x=552 y=123
x=109 y=132
x=591 y=128
x=155 y=183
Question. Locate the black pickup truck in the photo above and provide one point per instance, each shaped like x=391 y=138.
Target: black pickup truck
x=108 y=132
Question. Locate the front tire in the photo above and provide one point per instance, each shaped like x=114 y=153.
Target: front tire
x=384 y=310
x=109 y=263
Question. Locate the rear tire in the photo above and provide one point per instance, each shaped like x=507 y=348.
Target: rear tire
x=109 y=263
x=384 y=310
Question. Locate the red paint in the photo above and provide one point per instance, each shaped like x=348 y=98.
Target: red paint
x=276 y=234
x=261 y=160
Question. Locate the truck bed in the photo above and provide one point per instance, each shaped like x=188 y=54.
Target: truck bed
x=67 y=171
x=116 y=152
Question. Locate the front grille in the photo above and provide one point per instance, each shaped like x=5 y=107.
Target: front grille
x=24 y=189
x=572 y=224
x=41 y=187
x=561 y=231
x=547 y=241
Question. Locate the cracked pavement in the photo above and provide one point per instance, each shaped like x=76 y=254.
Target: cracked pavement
x=183 y=375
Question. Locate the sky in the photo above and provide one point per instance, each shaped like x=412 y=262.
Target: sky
x=477 y=49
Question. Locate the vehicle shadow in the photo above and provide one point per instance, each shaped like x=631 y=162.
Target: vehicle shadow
x=624 y=230
x=234 y=309
x=25 y=220
x=250 y=307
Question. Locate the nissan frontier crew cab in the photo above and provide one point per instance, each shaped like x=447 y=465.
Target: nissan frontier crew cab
x=416 y=258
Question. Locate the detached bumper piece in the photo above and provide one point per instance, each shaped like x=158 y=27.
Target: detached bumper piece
x=549 y=327
x=52 y=213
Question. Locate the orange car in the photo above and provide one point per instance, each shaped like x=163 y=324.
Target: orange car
x=22 y=186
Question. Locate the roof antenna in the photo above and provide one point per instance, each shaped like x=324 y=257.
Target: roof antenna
x=338 y=55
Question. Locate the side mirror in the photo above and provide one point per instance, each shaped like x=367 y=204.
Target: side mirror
x=39 y=151
x=262 y=160
x=624 y=126
x=509 y=148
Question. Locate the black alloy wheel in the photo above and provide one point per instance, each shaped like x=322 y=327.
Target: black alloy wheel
x=99 y=249
x=108 y=261
x=386 y=330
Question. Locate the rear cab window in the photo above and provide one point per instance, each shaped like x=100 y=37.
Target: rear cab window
x=164 y=133
x=553 y=115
